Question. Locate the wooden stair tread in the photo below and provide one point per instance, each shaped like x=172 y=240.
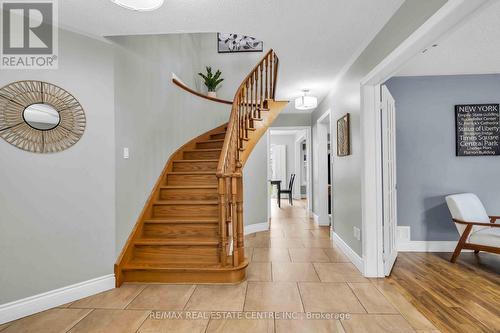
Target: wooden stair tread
x=178 y=220
x=181 y=267
x=188 y=186
x=186 y=202
x=191 y=172
x=203 y=150
x=194 y=161
x=211 y=140
x=176 y=242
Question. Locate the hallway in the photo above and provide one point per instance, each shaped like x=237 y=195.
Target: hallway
x=294 y=270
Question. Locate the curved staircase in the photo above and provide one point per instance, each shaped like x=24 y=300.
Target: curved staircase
x=191 y=228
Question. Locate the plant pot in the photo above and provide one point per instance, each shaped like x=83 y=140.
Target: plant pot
x=212 y=94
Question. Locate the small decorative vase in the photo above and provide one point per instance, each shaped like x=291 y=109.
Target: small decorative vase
x=212 y=94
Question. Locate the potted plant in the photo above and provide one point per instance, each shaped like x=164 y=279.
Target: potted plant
x=211 y=81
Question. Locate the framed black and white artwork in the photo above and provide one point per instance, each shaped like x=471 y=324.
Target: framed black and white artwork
x=231 y=43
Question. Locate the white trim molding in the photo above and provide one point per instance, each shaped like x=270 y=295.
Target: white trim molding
x=350 y=253
x=44 y=301
x=257 y=227
x=314 y=216
x=428 y=246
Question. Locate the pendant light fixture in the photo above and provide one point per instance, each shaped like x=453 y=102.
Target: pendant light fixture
x=306 y=102
x=139 y=5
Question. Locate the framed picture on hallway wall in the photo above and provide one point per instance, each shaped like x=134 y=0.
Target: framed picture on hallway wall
x=343 y=136
x=232 y=43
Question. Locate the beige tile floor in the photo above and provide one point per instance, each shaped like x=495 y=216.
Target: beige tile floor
x=293 y=268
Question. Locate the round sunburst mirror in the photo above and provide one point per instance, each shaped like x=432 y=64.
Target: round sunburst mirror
x=40 y=117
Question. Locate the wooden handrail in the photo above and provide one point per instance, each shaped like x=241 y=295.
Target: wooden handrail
x=181 y=84
x=249 y=102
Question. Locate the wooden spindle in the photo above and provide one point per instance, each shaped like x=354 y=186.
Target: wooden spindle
x=267 y=77
x=251 y=95
x=247 y=115
x=271 y=75
x=235 y=222
x=261 y=69
x=255 y=74
x=222 y=218
x=239 y=214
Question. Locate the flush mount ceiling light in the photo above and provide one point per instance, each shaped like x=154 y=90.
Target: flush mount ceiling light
x=139 y=5
x=306 y=102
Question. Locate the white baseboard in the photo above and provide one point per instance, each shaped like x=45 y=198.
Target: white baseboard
x=428 y=246
x=257 y=227
x=350 y=253
x=315 y=217
x=41 y=302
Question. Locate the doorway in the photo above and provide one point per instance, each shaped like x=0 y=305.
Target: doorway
x=324 y=171
x=289 y=166
x=444 y=20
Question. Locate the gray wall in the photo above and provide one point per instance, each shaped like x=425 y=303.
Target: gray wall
x=292 y=119
x=255 y=184
x=347 y=210
x=57 y=210
x=154 y=117
x=427 y=168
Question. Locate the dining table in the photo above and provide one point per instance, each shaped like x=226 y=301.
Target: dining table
x=277 y=183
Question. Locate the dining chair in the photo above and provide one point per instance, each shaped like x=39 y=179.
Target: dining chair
x=289 y=191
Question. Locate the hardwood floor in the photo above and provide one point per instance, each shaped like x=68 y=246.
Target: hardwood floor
x=293 y=267
x=461 y=297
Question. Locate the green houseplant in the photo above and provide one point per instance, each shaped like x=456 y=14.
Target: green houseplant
x=211 y=80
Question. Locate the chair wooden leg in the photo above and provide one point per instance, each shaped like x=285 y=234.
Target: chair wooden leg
x=290 y=199
x=455 y=255
x=461 y=243
x=476 y=251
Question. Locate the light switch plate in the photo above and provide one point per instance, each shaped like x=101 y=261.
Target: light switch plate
x=357 y=233
x=126 y=154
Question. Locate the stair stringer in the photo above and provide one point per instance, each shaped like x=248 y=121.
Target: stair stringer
x=268 y=117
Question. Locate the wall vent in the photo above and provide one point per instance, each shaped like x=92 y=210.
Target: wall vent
x=403 y=234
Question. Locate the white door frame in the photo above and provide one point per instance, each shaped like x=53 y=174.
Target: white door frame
x=321 y=163
x=443 y=21
x=389 y=178
x=308 y=153
x=297 y=194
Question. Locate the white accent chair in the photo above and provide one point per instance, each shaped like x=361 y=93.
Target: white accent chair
x=477 y=230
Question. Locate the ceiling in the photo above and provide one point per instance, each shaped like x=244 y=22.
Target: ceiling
x=314 y=39
x=472 y=48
